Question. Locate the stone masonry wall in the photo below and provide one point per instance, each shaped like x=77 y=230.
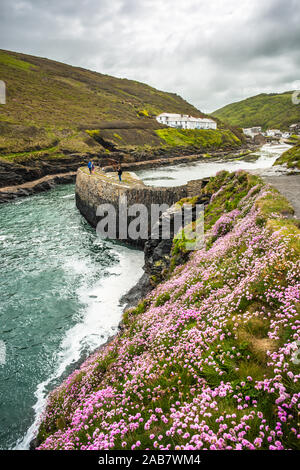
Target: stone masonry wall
x=91 y=191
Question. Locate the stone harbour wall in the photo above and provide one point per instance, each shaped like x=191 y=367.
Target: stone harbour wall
x=102 y=188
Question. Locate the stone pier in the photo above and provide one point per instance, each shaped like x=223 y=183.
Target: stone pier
x=102 y=188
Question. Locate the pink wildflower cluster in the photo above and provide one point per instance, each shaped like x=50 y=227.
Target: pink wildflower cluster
x=225 y=223
x=211 y=368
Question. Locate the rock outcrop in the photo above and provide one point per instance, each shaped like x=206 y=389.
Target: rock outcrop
x=11 y=193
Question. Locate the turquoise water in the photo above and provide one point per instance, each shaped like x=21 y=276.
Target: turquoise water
x=59 y=288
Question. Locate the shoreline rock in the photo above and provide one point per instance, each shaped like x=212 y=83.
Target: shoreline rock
x=12 y=193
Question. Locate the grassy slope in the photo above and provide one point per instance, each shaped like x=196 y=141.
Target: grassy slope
x=266 y=110
x=220 y=138
x=291 y=157
x=51 y=105
x=206 y=360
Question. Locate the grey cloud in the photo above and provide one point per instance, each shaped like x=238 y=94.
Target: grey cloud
x=210 y=53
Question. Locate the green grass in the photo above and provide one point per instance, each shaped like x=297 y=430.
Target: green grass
x=162 y=299
x=291 y=158
x=273 y=203
x=200 y=138
x=235 y=187
x=33 y=153
x=130 y=314
x=11 y=61
x=266 y=110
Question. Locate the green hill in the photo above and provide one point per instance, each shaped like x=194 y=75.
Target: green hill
x=54 y=110
x=274 y=110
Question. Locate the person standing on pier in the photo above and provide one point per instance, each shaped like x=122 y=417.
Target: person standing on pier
x=120 y=171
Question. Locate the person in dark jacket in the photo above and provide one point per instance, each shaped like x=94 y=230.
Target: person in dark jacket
x=120 y=171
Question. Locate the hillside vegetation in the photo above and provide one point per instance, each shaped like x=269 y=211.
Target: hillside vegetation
x=207 y=138
x=291 y=158
x=207 y=359
x=54 y=109
x=274 y=110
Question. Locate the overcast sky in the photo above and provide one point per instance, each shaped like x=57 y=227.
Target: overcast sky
x=211 y=52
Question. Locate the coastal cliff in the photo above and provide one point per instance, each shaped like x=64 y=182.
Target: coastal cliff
x=207 y=360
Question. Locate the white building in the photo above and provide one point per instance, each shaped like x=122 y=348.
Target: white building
x=183 y=121
x=274 y=133
x=295 y=128
x=252 y=131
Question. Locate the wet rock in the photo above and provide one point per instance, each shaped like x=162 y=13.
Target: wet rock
x=34 y=443
x=10 y=193
x=137 y=292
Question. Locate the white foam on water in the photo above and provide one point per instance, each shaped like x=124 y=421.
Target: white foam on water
x=68 y=196
x=100 y=320
x=6 y=240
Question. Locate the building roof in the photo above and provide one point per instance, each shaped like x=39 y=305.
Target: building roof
x=174 y=115
x=184 y=117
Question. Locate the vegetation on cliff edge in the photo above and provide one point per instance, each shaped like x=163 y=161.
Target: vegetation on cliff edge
x=207 y=359
x=291 y=158
x=204 y=139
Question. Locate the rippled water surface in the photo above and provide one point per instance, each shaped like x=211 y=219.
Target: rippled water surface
x=59 y=288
